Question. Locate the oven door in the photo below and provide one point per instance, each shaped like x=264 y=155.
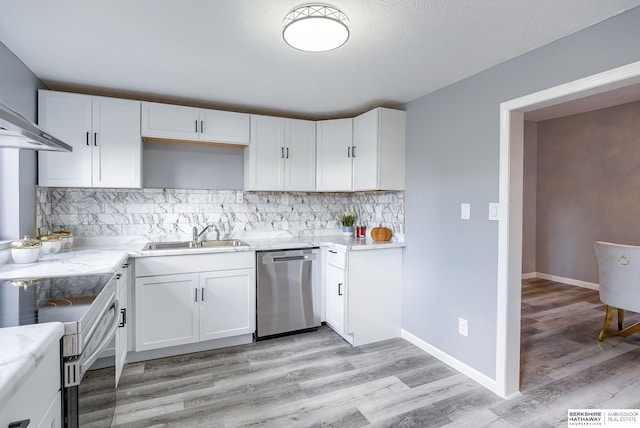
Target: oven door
x=89 y=393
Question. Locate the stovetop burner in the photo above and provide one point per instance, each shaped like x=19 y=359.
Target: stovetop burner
x=65 y=299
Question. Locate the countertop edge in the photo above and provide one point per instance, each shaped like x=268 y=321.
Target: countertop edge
x=31 y=342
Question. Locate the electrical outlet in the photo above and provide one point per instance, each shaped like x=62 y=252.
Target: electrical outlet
x=463 y=327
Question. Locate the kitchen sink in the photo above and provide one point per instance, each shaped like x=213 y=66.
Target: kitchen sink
x=223 y=243
x=180 y=245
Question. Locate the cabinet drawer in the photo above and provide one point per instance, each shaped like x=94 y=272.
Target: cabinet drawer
x=167 y=265
x=337 y=258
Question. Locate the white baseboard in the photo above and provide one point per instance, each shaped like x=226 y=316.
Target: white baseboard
x=562 y=280
x=458 y=365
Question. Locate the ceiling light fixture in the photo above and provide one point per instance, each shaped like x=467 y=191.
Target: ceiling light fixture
x=315 y=28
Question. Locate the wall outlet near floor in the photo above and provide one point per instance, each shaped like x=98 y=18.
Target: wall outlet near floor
x=463 y=327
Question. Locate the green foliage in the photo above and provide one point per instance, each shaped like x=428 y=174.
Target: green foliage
x=348 y=220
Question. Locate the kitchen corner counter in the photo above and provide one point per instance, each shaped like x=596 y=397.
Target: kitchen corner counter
x=23 y=349
x=77 y=261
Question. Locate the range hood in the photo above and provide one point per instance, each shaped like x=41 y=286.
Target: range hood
x=18 y=132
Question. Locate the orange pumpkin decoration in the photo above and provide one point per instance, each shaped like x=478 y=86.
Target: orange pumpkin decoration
x=381 y=233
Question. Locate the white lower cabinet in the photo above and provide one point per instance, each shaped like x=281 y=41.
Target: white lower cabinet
x=181 y=308
x=39 y=398
x=166 y=311
x=363 y=294
x=335 y=293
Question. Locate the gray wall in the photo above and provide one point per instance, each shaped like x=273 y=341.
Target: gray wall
x=530 y=172
x=18 y=90
x=450 y=265
x=588 y=181
x=192 y=167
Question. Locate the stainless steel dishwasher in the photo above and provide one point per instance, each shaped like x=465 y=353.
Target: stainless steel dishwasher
x=288 y=291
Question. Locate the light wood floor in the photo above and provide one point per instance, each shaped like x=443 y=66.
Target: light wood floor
x=318 y=380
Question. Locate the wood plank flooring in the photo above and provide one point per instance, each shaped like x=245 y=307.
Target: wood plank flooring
x=318 y=380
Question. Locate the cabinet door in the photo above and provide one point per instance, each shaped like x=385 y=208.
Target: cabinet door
x=335 y=288
x=166 y=311
x=117 y=145
x=300 y=155
x=224 y=126
x=379 y=150
x=122 y=331
x=264 y=159
x=365 y=151
x=170 y=121
x=227 y=306
x=68 y=117
x=334 y=141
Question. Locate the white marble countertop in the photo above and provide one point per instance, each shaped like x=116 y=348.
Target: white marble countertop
x=21 y=351
x=99 y=255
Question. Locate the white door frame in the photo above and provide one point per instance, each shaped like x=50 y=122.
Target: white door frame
x=511 y=189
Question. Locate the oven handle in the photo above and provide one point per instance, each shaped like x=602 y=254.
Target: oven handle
x=86 y=363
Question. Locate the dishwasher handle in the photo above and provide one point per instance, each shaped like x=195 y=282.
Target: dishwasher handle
x=267 y=260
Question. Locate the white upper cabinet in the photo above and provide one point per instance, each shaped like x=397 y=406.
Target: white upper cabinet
x=173 y=122
x=334 y=140
x=378 y=151
x=363 y=153
x=281 y=155
x=105 y=136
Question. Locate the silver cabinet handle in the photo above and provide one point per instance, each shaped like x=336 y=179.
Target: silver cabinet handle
x=353 y=151
x=196 y=126
x=282 y=152
x=339 y=289
x=287 y=152
x=349 y=151
x=196 y=294
x=88 y=144
x=95 y=138
x=202 y=127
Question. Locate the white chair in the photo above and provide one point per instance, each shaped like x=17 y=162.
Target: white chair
x=619 y=272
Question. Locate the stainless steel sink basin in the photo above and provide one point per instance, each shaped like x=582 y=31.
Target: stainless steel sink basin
x=180 y=245
x=223 y=243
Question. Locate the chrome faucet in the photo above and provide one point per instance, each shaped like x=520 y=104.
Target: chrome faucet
x=196 y=235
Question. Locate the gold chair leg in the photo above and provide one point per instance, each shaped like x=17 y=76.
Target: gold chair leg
x=620 y=318
x=629 y=330
x=607 y=323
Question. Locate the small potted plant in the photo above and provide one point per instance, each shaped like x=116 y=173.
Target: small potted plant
x=348 y=220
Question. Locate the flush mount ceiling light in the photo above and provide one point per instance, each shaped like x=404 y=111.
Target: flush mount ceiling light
x=315 y=28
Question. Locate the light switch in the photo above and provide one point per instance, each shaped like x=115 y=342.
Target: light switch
x=493 y=211
x=465 y=211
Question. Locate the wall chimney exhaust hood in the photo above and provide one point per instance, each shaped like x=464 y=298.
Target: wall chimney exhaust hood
x=18 y=132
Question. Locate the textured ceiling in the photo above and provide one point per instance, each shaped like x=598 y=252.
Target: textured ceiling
x=230 y=53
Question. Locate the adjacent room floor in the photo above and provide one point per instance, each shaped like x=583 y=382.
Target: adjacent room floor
x=317 y=379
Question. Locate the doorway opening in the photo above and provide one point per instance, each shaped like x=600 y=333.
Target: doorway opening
x=579 y=94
